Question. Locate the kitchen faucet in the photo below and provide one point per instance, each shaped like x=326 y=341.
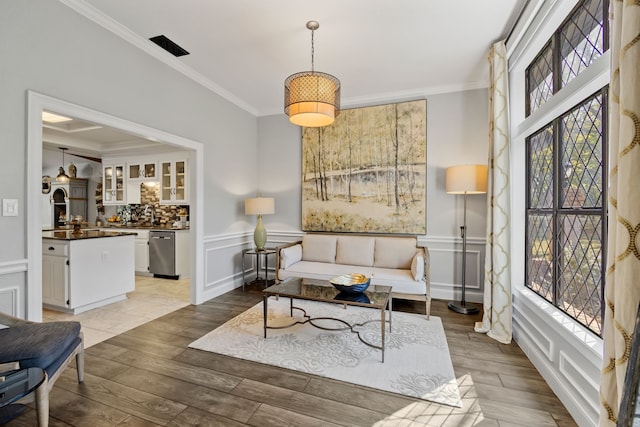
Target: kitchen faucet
x=146 y=210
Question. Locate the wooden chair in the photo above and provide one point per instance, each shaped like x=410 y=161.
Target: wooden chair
x=50 y=346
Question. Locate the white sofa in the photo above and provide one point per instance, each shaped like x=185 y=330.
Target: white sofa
x=394 y=261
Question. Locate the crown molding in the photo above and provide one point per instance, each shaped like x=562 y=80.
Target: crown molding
x=105 y=21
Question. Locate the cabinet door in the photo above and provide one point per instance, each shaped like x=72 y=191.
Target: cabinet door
x=135 y=171
x=173 y=182
x=114 y=186
x=55 y=280
x=180 y=189
x=142 y=255
x=166 y=182
x=107 y=179
x=150 y=170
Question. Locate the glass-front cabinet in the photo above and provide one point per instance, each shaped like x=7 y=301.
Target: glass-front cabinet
x=142 y=171
x=114 y=185
x=173 y=182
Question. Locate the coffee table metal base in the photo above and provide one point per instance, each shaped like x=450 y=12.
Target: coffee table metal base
x=347 y=326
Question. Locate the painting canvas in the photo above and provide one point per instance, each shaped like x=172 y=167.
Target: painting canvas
x=366 y=172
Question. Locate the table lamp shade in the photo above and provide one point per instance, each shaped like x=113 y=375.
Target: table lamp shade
x=259 y=206
x=469 y=179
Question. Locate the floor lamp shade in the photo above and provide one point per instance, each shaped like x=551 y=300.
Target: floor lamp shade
x=259 y=206
x=469 y=179
x=465 y=179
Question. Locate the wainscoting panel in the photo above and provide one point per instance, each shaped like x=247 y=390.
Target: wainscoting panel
x=223 y=262
x=446 y=267
x=566 y=354
x=12 y=283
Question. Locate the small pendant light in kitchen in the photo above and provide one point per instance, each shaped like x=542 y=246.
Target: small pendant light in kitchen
x=62 y=176
x=312 y=98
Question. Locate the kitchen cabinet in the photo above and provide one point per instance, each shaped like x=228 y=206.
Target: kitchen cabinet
x=173 y=182
x=113 y=182
x=142 y=251
x=85 y=271
x=143 y=171
x=68 y=200
x=55 y=274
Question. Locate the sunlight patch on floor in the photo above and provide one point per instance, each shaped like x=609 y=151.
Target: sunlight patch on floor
x=430 y=414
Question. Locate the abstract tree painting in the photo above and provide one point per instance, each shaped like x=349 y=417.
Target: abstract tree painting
x=366 y=173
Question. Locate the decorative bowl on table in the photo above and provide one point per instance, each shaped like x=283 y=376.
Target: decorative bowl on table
x=352 y=283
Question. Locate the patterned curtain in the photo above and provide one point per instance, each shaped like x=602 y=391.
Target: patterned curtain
x=622 y=288
x=496 y=321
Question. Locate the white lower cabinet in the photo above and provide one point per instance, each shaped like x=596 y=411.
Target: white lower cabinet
x=142 y=251
x=81 y=274
x=55 y=275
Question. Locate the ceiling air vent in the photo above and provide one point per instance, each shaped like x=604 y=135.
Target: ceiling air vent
x=168 y=45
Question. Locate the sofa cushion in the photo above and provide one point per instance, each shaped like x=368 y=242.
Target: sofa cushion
x=43 y=345
x=320 y=270
x=394 y=252
x=355 y=250
x=417 y=266
x=400 y=280
x=290 y=255
x=319 y=248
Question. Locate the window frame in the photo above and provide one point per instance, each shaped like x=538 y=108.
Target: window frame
x=557 y=210
x=556 y=54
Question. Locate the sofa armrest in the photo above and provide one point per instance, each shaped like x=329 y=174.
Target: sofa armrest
x=278 y=249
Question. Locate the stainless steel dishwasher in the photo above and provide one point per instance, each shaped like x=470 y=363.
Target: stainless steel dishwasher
x=162 y=253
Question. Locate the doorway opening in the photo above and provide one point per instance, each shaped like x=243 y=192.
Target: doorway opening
x=37 y=103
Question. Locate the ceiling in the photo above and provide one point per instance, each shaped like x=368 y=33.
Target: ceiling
x=379 y=49
x=243 y=50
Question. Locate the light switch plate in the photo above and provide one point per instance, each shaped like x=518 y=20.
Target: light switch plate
x=9 y=207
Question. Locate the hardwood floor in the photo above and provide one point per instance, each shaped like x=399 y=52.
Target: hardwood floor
x=147 y=376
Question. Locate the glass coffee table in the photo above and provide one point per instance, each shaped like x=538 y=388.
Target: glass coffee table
x=14 y=385
x=376 y=297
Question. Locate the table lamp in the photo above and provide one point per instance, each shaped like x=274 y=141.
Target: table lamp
x=259 y=206
x=465 y=179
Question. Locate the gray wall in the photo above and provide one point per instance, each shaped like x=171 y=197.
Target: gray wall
x=457 y=133
x=48 y=48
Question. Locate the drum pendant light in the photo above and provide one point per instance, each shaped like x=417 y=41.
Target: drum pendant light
x=312 y=98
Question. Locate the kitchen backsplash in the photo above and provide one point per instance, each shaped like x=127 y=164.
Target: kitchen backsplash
x=164 y=214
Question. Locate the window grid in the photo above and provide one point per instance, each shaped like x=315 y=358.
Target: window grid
x=580 y=39
x=566 y=212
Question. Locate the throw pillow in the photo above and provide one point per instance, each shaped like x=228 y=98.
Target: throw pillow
x=417 y=266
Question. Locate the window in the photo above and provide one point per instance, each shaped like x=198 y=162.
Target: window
x=581 y=39
x=566 y=211
x=566 y=178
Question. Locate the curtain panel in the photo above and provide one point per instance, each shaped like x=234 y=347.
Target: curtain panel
x=622 y=284
x=496 y=321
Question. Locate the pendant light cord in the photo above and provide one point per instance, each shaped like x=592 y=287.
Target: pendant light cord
x=312 y=51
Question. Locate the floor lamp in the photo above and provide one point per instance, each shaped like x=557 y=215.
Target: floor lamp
x=465 y=179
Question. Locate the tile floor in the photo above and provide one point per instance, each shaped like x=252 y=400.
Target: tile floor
x=151 y=299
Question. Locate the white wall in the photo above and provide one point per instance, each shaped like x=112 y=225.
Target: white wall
x=457 y=133
x=50 y=49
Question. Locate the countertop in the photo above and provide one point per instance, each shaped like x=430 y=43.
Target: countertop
x=119 y=226
x=83 y=235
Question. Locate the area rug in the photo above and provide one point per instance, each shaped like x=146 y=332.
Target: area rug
x=417 y=361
